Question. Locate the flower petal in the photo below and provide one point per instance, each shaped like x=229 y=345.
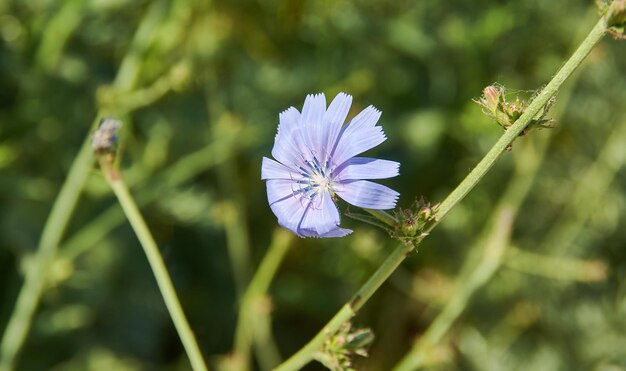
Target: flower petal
x=359 y=135
x=320 y=218
x=311 y=121
x=289 y=145
x=366 y=168
x=333 y=122
x=288 y=206
x=271 y=169
x=337 y=232
x=288 y=120
x=363 y=193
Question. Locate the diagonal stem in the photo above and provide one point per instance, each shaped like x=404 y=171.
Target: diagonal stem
x=306 y=354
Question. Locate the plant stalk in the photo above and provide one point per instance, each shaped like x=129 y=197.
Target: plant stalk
x=306 y=354
x=156 y=263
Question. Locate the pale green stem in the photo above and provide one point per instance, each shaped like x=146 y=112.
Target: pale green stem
x=558 y=268
x=59 y=29
x=265 y=347
x=253 y=321
x=158 y=266
x=478 y=269
x=128 y=72
x=305 y=354
x=36 y=274
x=237 y=244
x=533 y=109
x=383 y=216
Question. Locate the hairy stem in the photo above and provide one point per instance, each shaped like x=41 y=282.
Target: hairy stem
x=306 y=354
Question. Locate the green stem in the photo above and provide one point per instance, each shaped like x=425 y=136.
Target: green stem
x=58 y=31
x=253 y=312
x=306 y=354
x=383 y=216
x=63 y=207
x=175 y=175
x=36 y=273
x=558 y=268
x=535 y=106
x=158 y=267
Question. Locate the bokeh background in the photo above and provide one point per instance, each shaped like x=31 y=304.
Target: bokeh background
x=199 y=86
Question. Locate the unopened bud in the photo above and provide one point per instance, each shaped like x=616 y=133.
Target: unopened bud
x=425 y=213
x=409 y=227
x=492 y=96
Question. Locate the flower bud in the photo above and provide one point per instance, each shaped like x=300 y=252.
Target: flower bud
x=409 y=226
x=492 y=96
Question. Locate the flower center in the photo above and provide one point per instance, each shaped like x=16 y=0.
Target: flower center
x=320 y=181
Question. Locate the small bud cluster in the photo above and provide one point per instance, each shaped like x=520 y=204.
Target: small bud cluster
x=340 y=348
x=494 y=104
x=413 y=221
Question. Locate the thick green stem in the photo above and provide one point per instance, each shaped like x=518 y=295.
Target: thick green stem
x=306 y=354
x=158 y=267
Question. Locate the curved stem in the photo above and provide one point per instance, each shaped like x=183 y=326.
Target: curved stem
x=158 y=266
x=306 y=354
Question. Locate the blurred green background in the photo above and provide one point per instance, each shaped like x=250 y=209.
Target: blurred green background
x=199 y=86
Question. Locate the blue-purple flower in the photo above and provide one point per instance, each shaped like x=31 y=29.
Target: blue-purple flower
x=316 y=162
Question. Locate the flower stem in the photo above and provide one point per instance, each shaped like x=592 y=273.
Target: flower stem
x=512 y=132
x=156 y=263
x=306 y=354
x=252 y=310
x=383 y=216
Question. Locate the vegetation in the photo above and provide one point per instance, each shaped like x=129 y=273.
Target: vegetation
x=526 y=272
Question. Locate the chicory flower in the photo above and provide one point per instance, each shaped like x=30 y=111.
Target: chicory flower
x=316 y=162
